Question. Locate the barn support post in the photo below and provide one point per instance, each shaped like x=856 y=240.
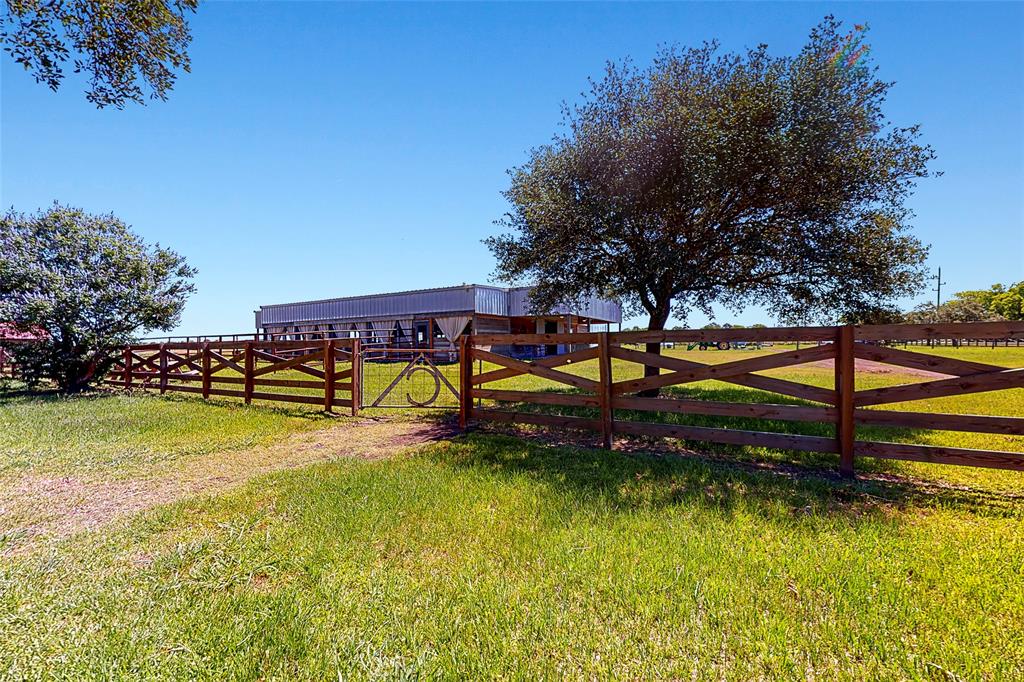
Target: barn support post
x=163 y=368
x=845 y=387
x=465 y=381
x=357 y=376
x=605 y=388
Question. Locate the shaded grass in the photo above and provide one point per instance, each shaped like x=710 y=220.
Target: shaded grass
x=493 y=557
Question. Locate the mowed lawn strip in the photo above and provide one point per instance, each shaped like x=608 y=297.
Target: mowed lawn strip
x=72 y=463
x=77 y=463
x=490 y=556
x=120 y=434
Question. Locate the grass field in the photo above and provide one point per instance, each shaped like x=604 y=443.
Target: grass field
x=488 y=556
x=492 y=556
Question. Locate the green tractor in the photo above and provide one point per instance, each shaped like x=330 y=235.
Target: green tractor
x=723 y=345
x=705 y=345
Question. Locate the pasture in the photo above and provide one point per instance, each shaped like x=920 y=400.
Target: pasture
x=416 y=552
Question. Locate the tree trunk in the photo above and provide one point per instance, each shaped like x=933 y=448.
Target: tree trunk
x=77 y=376
x=656 y=323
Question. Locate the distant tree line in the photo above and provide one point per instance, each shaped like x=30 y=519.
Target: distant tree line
x=997 y=303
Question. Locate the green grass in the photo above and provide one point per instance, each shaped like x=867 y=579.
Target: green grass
x=492 y=557
x=116 y=434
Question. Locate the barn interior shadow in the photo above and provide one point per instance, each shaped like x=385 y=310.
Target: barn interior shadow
x=641 y=479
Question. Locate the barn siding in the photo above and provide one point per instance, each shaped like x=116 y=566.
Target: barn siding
x=490 y=306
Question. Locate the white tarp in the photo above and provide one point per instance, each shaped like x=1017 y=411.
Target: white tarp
x=452 y=327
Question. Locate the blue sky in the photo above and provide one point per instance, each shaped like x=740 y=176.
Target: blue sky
x=329 y=149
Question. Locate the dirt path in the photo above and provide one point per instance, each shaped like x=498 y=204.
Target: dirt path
x=38 y=507
x=872 y=367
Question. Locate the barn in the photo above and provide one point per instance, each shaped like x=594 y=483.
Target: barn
x=431 y=318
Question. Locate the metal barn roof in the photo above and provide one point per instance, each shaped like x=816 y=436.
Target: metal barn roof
x=468 y=298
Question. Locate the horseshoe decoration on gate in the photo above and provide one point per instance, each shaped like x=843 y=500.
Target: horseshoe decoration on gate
x=437 y=386
x=420 y=363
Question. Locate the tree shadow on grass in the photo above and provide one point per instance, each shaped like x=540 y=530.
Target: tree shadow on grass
x=24 y=394
x=12 y=389
x=639 y=479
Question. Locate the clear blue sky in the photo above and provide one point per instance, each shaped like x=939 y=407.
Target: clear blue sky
x=327 y=149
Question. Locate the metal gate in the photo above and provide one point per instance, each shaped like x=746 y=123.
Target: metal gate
x=409 y=377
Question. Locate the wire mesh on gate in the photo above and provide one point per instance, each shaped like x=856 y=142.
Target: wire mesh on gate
x=410 y=377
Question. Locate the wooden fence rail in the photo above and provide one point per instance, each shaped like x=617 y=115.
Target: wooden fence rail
x=251 y=365
x=842 y=405
x=326 y=372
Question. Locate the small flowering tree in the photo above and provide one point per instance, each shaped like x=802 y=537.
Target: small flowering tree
x=84 y=285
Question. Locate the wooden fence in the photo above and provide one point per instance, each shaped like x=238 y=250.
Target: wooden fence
x=327 y=373
x=246 y=369
x=841 y=405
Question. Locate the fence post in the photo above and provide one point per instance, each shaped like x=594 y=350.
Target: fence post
x=845 y=387
x=465 y=381
x=357 y=376
x=605 y=389
x=127 y=367
x=250 y=367
x=206 y=371
x=329 y=377
x=163 y=368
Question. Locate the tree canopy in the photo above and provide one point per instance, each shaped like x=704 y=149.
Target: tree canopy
x=86 y=285
x=1006 y=302
x=720 y=178
x=125 y=48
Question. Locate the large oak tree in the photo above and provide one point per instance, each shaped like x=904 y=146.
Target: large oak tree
x=717 y=178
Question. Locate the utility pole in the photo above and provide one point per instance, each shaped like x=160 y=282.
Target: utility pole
x=938 y=297
x=938 y=290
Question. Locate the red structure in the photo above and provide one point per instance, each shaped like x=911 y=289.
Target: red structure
x=10 y=336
